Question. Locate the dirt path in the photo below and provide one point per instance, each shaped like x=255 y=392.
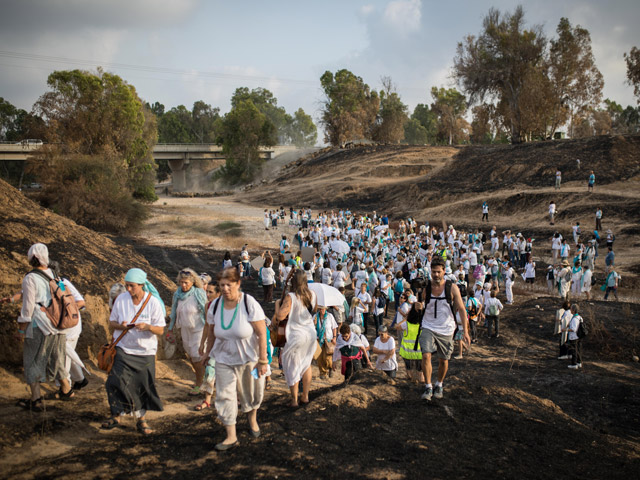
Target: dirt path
x=511 y=408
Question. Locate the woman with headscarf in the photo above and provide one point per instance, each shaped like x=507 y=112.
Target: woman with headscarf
x=237 y=340
x=131 y=383
x=300 y=332
x=187 y=314
x=44 y=353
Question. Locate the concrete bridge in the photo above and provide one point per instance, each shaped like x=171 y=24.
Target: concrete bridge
x=190 y=162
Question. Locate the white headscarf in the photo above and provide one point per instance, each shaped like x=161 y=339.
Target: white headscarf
x=41 y=252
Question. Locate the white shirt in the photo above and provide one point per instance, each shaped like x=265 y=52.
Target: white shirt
x=137 y=342
x=492 y=301
x=237 y=344
x=338 y=278
x=268 y=276
x=392 y=362
x=444 y=323
x=329 y=325
x=365 y=298
x=35 y=289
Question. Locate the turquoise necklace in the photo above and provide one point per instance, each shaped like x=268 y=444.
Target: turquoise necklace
x=235 y=312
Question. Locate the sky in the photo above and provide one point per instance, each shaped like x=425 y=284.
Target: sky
x=180 y=51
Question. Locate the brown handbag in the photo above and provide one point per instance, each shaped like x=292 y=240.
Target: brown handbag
x=107 y=353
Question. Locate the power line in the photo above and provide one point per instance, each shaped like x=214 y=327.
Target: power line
x=150 y=69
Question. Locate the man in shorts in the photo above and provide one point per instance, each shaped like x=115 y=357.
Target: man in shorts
x=438 y=326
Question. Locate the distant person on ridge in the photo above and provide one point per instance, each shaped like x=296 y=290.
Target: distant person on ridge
x=485 y=212
x=552 y=212
x=591 y=182
x=558 y=178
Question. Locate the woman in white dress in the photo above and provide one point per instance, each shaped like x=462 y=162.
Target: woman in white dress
x=188 y=314
x=297 y=353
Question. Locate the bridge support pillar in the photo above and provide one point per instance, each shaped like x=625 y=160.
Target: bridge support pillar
x=179 y=174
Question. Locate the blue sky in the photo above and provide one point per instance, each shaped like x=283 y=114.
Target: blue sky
x=180 y=51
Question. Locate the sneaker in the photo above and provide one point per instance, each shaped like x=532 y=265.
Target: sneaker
x=573 y=367
x=458 y=357
x=438 y=391
x=428 y=393
x=579 y=365
x=563 y=357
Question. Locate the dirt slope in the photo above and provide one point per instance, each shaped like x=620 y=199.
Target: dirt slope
x=93 y=262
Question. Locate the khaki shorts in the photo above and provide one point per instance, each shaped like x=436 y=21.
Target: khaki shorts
x=431 y=342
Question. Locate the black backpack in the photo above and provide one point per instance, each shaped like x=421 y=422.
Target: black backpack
x=405 y=271
x=583 y=330
x=463 y=289
x=426 y=297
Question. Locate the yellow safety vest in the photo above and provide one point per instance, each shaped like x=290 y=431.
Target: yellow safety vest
x=409 y=337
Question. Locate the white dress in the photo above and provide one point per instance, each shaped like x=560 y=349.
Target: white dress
x=297 y=353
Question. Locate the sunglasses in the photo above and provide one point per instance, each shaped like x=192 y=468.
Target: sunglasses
x=185 y=272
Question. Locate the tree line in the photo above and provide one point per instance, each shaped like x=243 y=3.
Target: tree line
x=512 y=82
x=518 y=85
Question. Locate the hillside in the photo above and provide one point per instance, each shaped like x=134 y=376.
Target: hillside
x=92 y=261
x=449 y=184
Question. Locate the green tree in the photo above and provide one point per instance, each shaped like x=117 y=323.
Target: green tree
x=350 y=107
x=392 y=115
x=633 y=70
x=497 y=62
x=242 y=132
x=450 y=106
x=428 y=119
x=415 y=133
x=302 y=130
x=204 y=119
x=576 y=82
x=175 y=126
x=267 y=104
x=95 y=115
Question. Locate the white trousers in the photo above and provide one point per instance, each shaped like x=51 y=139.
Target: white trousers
x=234 y=383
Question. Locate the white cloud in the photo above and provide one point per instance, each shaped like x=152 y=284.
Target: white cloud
x=404 y=15
x=367 y=9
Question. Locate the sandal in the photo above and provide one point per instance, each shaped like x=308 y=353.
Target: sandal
x=202 y=406
x=110 y=424
x=143 y=427
x=195 y=391
x=33 y=405
x=60 y=395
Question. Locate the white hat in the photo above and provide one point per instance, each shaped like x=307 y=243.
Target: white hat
x=355 y=329
x=41 y=252
x=447 y=271
x=487 y=286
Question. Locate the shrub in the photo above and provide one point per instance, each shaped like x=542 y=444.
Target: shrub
x=91 y=190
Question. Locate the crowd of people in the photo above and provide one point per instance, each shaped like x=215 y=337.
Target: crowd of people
x=443 y=285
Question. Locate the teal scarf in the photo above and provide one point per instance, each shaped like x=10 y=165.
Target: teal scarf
x=201 y=298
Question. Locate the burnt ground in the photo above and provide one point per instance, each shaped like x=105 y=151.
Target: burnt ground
x=511 y=409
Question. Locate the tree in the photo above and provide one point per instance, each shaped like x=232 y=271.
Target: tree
x=481 y=124
x=428 y=119
x=576 y=81
x=450 y=107
x=302 y=130
x=350 y=107
x=497 y=62
x=95 y=116
x=415 y=133
x=267 y=104
x=392 y=115
x=175 y=126
x=243 y=131
x=633 y=70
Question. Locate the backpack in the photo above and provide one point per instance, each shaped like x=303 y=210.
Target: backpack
x=493 y=310
x=472 y=308
x=477 y=272
x=463 y=289
x=427 y=298
x=399 y=287
x=405 y=271
x=583 y=331
x=63 y=310
x=217 y=300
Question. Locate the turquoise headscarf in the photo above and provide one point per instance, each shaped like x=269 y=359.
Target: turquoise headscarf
x=201 y=299
x=135 y=275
